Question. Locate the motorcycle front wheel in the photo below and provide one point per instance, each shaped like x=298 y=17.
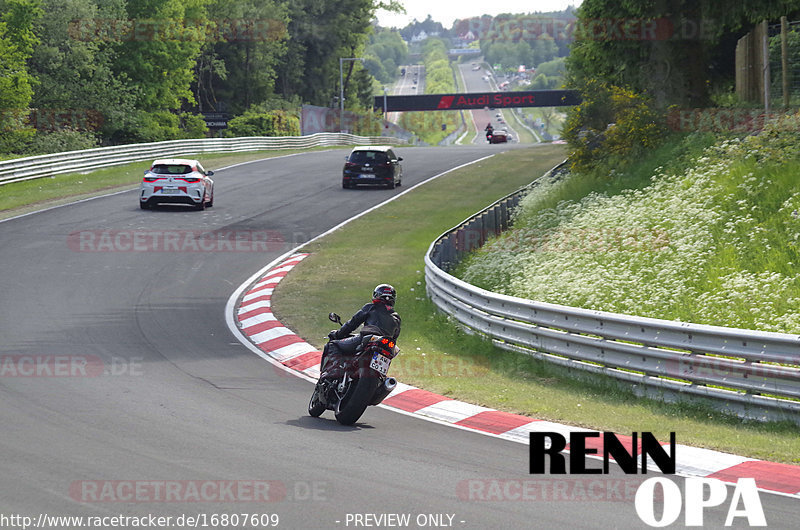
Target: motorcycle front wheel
x=315 y=406
x=355 y=401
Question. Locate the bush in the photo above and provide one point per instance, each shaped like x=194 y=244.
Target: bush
x=62 y=141
x=15 y=140
x=256 y=122
x=610 y=124
x=158 y=126
x=192 y=125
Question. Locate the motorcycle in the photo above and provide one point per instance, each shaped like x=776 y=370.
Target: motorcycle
x=363 y=380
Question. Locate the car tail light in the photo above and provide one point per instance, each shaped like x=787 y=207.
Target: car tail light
x=350 y=164
x=151 y=179
x=189 y=179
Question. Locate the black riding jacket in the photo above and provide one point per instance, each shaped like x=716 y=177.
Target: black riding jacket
x=378 y=319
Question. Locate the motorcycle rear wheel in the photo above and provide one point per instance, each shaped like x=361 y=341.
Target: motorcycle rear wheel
x=355 y=401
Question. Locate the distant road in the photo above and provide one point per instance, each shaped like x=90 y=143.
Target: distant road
x=411 y=83
x=474 y=82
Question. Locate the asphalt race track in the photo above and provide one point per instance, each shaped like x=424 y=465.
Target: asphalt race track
x=123 y=392
x=474 y=82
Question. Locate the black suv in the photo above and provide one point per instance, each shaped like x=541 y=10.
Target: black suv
x=376 y=165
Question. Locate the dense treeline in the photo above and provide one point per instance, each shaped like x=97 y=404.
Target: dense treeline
x=509 y=55
x=77 y=73
x=429 y=26
x=684 y=59
x=670 y=53
x=386 y=52
x=514 y=39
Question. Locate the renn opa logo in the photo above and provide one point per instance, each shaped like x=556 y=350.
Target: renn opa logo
x=745 y=502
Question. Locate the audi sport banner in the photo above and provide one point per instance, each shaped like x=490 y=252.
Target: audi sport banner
x=479 y=100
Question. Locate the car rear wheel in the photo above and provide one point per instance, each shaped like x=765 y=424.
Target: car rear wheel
x=201 y=205
x=144 y=205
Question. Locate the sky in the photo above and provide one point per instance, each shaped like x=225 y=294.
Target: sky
x=446 y=11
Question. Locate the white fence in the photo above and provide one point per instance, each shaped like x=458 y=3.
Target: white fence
x=32 y=167
x=748 y=373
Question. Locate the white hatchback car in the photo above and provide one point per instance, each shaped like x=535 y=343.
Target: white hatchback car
x=177 y=180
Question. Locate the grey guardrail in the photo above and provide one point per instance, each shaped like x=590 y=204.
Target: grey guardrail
x=33 y=167
x=748 y=373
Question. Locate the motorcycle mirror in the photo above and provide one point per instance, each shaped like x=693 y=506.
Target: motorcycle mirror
x=333 y=317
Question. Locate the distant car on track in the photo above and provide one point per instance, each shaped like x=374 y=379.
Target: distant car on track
x=498 y=137
x=372 y=164
x=177 y=180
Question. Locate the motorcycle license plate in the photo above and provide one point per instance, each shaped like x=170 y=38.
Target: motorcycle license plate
x=380 y=363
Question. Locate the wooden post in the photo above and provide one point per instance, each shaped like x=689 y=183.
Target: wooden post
x=785 y=59
x=765 y=48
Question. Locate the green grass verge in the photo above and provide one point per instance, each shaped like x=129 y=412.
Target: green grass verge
x=721 y=246
x=471 y=130
x=21 y=197
x=524 y=135
x=388 y=245
x=556 y=120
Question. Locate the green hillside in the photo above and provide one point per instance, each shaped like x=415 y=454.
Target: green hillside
x=703 y=230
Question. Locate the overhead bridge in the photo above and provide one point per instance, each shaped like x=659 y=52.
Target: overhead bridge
x=478 y=100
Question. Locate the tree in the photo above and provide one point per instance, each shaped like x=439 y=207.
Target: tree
x=238 y=69
x=385 y=52
x=523 y=53
x=429 y=26
x=321 y=33
x=556 y=67
x=377 y=69
x=673 y=64
x=544 y=49
x=74 y=65
x=159 y=53
x=17 y=40
x=540 y=82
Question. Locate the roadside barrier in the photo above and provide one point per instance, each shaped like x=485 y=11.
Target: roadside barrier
x=39 y=166
x=747 y=373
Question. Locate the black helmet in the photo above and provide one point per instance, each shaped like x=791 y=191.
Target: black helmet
x=385 y=293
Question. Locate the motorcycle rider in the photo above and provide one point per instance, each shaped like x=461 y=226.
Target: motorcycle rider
x=378 y=317
x=489 y=130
